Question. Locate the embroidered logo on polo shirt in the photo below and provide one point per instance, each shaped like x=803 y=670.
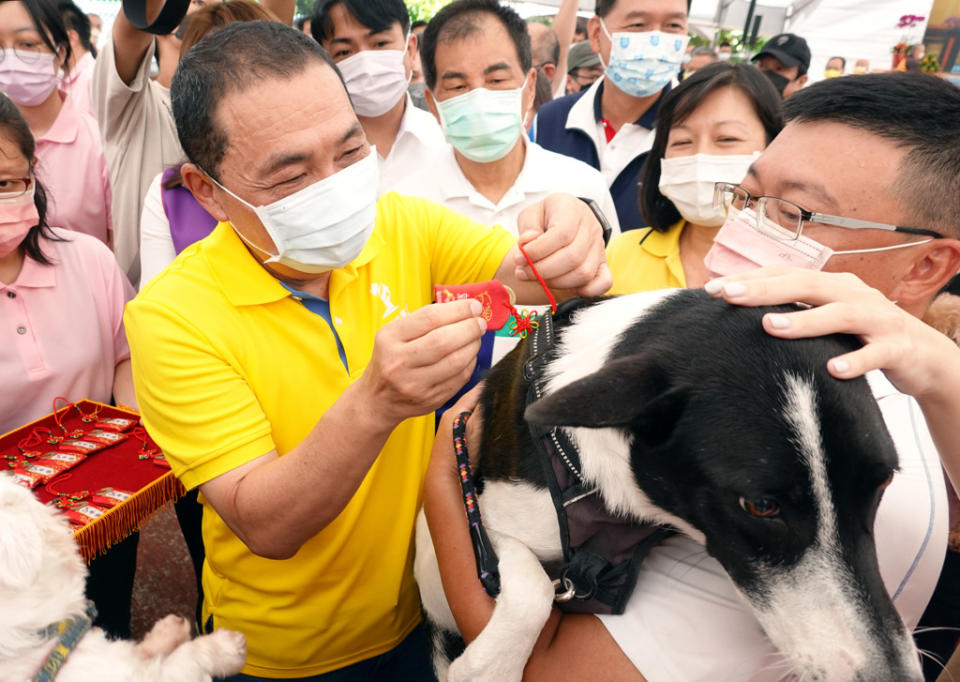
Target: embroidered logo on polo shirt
x=382 y=291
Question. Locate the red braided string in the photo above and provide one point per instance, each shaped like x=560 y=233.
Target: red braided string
x=553 y=301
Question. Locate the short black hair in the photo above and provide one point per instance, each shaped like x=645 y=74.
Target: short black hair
x=229 y=60
x=459 y=20
x=843 y=62
x=928 y=129
x=49 y=24
x=604 y=7
x=377 y=15
x=75 y=19
x=678 y=104
x=417 y=24
x=13 y=125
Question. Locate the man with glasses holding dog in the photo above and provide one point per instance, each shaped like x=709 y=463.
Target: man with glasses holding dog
x=854 y=210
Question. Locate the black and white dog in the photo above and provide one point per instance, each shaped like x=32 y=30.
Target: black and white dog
x=686 y=413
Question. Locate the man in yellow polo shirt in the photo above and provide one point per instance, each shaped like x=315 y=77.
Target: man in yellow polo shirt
x=289 y=364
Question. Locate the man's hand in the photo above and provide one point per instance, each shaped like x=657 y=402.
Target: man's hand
x=912 y=354
x=423 y=359
x=565 y=242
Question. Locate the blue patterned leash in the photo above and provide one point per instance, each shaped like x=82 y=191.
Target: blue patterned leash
x=70 y=632
x=483 y=552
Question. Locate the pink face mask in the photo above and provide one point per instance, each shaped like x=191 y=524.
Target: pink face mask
x=28 y=83
x=740 y=247
x=16 y=218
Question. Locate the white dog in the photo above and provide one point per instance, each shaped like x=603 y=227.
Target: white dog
x=41 y=583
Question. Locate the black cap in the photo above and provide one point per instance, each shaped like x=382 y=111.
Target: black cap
x=790 y=49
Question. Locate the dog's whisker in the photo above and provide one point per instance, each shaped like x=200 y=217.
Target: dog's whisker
x=934 y=628
x=936 y=659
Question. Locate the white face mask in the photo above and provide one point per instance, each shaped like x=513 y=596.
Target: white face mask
x=688 y=182
x=740 y=247
x=323 y=226
x=375 y=79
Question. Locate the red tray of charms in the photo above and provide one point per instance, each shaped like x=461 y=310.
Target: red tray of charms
x=97 y=464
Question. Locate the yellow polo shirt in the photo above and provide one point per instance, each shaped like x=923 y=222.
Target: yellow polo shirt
x=229 y=366
x=644 y=260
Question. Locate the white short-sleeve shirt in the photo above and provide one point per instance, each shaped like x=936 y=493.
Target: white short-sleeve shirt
x=686 y=623
x=418 y=141
x=543 y=173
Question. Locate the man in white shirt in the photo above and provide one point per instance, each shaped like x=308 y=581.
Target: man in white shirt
x=477 y=63
x=610 y=124
x=375 y=52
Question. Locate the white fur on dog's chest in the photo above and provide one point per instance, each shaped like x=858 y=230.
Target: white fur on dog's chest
x=524 y=512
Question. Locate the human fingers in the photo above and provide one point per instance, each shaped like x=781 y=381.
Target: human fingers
x=428 y=318
x=444 y=341
x=573 y=264
x=775 y=286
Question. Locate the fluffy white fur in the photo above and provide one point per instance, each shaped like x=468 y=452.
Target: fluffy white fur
x=42 y=580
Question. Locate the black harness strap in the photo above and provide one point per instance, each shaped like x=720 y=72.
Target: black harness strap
x=602 y=552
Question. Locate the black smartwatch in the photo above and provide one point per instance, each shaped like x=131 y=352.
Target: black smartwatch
x=602 y=219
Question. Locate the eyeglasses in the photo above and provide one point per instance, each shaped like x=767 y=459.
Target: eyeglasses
x=12 y=188
x=791 y=217
x=27 y=53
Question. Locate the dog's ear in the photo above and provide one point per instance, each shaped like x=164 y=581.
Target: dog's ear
x=21 y=546
x=632 y=390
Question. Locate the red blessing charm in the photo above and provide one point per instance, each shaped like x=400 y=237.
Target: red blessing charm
x=496 y=298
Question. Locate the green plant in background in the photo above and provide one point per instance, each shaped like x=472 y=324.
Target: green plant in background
x=423 y=10
x=929 y=64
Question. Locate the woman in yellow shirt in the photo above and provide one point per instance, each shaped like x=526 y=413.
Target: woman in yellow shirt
x=710 y=128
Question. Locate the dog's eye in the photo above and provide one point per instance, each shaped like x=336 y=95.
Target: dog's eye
x=760 y=506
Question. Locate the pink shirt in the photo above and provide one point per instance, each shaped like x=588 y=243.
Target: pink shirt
x=77 y=83
x=71 y=167
x=61 y=328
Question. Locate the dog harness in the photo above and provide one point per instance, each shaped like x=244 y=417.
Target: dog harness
x=602 y=551
x=70 y=631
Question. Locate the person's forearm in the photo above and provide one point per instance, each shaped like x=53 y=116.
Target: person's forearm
x=443 y=507
x=281 y=504
x=123 y=393
x=130 y=44
x=564 y=25
x=283 y=9
x=942 y=414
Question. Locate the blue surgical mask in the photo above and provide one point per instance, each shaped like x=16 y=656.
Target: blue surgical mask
x=483 y=125
x=642 y=64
